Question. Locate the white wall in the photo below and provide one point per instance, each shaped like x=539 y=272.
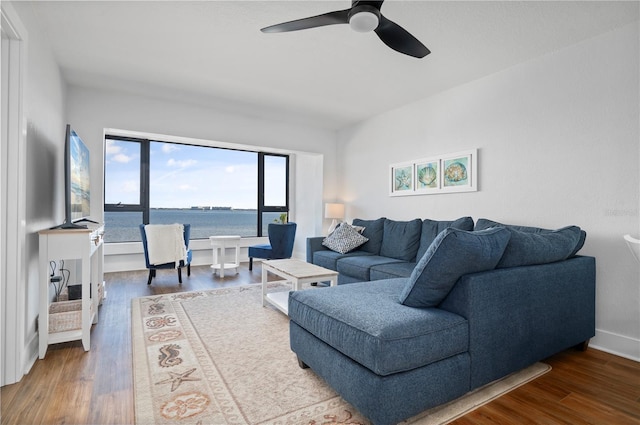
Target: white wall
x=558 y=144
x=44 y=100
x=90 y=111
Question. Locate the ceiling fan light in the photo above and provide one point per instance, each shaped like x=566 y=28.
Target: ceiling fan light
x=363 y=21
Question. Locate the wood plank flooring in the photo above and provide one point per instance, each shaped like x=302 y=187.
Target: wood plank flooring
x=73 y=387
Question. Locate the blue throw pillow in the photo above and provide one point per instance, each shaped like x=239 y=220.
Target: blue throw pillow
x=527 y=249
x=432 y=228
x=535 y=245
x=373 y=230
x=452 y=254
x=401 y=239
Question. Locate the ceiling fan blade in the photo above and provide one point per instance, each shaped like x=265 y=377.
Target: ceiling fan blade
x=376 y=4
x=331 y=18
x=396 y=37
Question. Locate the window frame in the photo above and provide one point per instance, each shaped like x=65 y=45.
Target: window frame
x=262 y=208
x=145 y=168
x=143 y=204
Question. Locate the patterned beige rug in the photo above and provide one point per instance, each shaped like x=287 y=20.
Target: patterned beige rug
x=218 y=357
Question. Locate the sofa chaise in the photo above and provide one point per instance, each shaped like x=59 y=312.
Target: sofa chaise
x=477 y=306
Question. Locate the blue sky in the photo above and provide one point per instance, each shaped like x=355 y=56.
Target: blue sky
x=183 y=176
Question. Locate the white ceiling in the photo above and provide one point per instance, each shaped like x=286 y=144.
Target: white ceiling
x=212 y=52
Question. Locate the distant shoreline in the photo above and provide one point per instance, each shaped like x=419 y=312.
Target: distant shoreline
x=206 y=209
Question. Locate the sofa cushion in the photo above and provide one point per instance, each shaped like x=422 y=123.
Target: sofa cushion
x=401 y=239
x=535 y=245
x=344 y=239
x=452 y=254
x=329 y=259
x=365 y=322
x=373 y=230
x=527 y=248
x=359 y=266
x=391 y=270
x=432 y=228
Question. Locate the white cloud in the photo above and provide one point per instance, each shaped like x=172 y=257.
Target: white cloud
x=121 y=158
x=187 y=187
x=115 y=153
x=168 y=148
x=181 y=163
x=112 y=147
x=230 y=169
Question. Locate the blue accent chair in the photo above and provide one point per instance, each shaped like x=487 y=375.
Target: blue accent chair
x=281 y=237
x=153 y=267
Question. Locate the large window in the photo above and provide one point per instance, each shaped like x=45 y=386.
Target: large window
x=218 y=191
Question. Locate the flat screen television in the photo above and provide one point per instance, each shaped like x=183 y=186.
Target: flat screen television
x=77 y=179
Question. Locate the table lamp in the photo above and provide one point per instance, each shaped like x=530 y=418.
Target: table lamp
x=334 y=211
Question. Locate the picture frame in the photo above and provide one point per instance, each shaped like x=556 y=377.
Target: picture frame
x=458 y=172
x=427 y=178
x=449 y=173
x=401 y=179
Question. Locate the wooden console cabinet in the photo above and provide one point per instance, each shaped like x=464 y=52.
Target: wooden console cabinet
x=85 y=245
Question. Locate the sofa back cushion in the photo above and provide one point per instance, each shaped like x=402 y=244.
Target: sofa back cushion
x=452 y=254
x=373 y=230
x=401 y=239
x=535 y=245
x=432 y=228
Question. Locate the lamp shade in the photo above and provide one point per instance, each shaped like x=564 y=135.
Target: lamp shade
x=334 y=211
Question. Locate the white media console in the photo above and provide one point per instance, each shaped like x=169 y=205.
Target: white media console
x=70 y=320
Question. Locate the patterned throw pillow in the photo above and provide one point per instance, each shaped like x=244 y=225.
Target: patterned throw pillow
x=359 y=229
x=344 y=239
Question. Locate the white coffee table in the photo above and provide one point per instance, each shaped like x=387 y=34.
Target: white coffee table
x=220 y=245
x=298 y=273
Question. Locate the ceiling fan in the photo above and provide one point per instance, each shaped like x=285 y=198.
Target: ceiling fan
x=362 y=16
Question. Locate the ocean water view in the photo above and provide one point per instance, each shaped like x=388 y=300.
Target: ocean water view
x=123 y=226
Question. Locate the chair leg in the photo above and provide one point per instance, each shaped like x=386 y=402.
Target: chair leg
x=151 y=275
x=180 y=275
x=250 y=263
x=189 y=269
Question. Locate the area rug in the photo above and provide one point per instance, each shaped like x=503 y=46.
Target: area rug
x=218 y=357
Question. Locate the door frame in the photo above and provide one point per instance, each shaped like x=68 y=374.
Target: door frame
x=13 y=198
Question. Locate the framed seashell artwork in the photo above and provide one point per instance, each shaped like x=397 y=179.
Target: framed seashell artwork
x=455 y=172
x=459 y=172
x=428 y=175
x=402 y=179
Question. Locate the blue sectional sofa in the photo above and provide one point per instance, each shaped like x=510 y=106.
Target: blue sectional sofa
x=392 y=249
x=475 y=307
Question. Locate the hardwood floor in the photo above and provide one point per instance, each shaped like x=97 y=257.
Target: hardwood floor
x=71 y=386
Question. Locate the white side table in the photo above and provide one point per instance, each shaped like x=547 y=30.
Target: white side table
x=220 y=245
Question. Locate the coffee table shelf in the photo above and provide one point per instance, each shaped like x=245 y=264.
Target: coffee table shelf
x=298 y=273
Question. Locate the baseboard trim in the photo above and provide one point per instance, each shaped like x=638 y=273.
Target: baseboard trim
x=617 y=344
x=31 y=350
